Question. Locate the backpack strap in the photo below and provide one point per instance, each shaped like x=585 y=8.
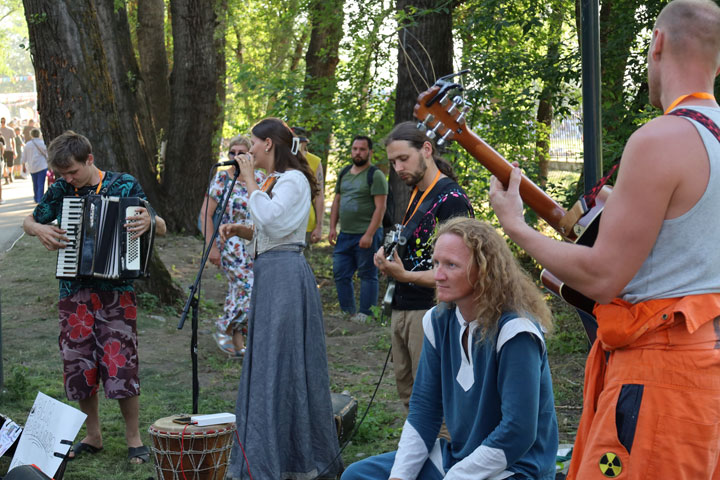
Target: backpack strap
x=342 y=173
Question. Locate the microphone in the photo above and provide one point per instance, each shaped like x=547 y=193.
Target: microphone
x=227 y=163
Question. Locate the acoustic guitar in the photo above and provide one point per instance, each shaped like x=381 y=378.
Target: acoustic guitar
x=444 y=118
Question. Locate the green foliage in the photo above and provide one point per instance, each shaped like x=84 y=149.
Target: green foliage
x=148 y=301
x=506 y=46
x=14 y=55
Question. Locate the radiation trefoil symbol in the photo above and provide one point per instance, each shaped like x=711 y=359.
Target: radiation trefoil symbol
x=610 y=465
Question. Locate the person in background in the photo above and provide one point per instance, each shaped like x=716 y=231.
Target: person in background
x=359 y=204
x=20 y=163
x=231 y=255
x=483 y=369
x=317 y=211
x=9 y=152
x=35 y=158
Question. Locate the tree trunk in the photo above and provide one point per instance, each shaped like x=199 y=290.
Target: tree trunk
x=547 y=96
x=198 y=94
x=321 y=59
x=87 y=81
x=425 y=52
x=153 y=61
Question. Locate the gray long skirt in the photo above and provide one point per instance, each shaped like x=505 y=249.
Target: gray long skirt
x=284 y=412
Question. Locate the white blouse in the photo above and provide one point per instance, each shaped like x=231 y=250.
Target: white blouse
x=281 y=219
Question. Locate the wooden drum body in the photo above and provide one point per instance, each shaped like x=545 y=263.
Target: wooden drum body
x=201 y=453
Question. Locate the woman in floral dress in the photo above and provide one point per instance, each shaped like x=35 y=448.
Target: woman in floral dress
x=231 y=255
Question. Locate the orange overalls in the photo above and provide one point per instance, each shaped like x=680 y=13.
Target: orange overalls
x=652 y=411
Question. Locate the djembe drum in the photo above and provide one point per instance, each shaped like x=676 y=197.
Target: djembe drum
x=190 y=452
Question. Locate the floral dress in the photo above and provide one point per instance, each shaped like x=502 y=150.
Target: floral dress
x=234 y=258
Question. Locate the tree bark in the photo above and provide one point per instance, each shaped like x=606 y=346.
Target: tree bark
x=321 y=59
x=87 y=80
x=425 y=53
x=153 y=61
x=198 y=94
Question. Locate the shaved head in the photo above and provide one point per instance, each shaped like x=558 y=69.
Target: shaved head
x=692 y=29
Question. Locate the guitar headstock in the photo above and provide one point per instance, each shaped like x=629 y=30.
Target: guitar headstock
x=439 y=114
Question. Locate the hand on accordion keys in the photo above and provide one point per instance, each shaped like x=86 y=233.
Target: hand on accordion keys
x=139 y=223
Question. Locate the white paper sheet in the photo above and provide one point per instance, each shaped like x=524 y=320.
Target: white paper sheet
x=49 y=422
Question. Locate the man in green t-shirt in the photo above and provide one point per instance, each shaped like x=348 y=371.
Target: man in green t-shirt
x=359 y=204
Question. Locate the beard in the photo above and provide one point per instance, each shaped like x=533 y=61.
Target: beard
x=412 y=179
x=359 y=161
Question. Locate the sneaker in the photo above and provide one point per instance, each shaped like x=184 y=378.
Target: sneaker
x=360 y=318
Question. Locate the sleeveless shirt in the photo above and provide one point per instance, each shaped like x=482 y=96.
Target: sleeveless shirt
x=685 y=259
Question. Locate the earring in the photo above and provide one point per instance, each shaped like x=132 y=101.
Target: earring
x=267 y=149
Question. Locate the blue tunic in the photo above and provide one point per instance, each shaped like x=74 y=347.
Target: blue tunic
x=497 y=405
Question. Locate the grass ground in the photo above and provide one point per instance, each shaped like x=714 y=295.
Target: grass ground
x=356 y=354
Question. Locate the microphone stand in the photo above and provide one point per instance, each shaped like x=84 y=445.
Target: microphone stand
x=193 y=302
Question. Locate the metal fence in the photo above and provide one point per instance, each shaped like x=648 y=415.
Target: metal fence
x=566 y=145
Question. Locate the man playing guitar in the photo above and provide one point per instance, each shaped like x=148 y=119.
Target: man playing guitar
x=436 y=197
x=654 y=270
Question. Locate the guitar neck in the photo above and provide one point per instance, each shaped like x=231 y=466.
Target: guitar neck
x=546 y=208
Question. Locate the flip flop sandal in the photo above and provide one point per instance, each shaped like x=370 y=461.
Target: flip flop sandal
x=142 y=453
x=80 y=448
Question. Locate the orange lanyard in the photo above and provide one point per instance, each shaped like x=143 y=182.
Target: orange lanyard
x=269 y=182
x=102 y=174
x=412 y=197
x=703 y=95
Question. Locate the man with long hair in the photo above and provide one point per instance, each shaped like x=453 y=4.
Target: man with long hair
x=483 y=370
x=436 y=197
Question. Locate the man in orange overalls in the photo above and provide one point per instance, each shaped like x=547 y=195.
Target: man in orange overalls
x=652 y=382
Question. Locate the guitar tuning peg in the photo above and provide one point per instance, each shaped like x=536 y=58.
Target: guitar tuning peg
x=458 y=100
x=448 y=135
x=461 y=118
x=444 y=99
x=423 y=125
x=433 y=133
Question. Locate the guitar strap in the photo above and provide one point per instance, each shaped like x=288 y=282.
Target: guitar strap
x=419 y=213
x=704 y=120
x=589 y=198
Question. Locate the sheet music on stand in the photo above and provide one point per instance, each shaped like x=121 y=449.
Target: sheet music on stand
x=49 y=432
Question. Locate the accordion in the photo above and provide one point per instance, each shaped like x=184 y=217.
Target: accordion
x=100 y=246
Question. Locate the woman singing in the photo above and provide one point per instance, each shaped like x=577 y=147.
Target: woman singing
x=284 y=413
x=483 y=369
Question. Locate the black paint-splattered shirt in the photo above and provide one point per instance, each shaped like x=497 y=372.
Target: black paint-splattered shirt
x=450 y=201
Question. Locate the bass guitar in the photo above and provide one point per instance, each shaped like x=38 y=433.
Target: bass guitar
x=444 y=118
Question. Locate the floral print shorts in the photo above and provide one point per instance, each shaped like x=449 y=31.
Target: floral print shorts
x=98 y=342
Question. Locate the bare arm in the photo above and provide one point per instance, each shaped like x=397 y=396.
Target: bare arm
x=651 y=187
x=334 y=217
x=319 y=205
x=375 y=221
x=206 y=211
x=50 y=236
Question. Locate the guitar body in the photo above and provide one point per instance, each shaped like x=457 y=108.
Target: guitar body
x=587 y=230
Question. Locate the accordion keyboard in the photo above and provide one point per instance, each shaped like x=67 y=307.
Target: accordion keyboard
x=71 y=222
